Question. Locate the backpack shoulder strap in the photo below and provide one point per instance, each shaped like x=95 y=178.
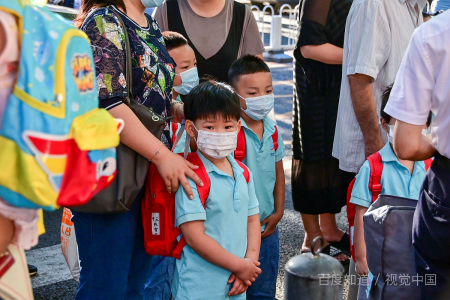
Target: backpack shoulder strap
x=174 y=132
x=241 y=151
x=246 y=171
x=275 y=139
x=428 y=163
x=376 y=169
x=203 y=191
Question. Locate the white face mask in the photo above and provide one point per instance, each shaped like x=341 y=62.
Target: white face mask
x=152 y=3
x=391 y=134
x=216 y=144
x=189 y=80
x=259 y=107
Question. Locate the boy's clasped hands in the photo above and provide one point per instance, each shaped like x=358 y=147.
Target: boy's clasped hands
x=244 y=276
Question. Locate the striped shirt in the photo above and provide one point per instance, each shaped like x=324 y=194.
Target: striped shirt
x=377 y=34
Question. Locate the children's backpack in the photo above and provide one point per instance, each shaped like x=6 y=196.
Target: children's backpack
x=388 y=225
x=376 y=170
x=241 y=148
x=158 y=210
x=57 y=148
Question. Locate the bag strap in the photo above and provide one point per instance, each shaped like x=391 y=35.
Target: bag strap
x=241 y=151
x=246 y=171
x=428 y=163
x=203 y=192
x=128 y=63
x=376 y=169
x=275 y=139
x=174 y=134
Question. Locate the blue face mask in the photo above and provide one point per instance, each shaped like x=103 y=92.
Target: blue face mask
x=189 y=79
x=152 y=3
x=259 y=107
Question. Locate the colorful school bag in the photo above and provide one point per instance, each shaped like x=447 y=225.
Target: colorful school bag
x=376 y=170
x=57 y=148
x=241 y=148
x=158 y=210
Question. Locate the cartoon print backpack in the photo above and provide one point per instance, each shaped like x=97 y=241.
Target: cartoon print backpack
x=158 y=210
x=241 y=148
x=56 y=147
x=376 y=170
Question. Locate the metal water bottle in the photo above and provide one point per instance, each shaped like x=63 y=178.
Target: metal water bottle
x=313 y=276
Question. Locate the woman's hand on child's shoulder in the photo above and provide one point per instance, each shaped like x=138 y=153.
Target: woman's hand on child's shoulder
x=248 y=271
x=239 y=286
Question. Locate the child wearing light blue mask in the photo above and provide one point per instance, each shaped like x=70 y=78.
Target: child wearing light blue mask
x=252 y=81
x=186 y=78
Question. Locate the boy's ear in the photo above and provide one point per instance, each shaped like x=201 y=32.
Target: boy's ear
x=190 y=128
x=239 y=125
x=384 y=125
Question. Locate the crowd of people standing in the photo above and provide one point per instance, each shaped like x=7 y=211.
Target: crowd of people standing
x=347 y=55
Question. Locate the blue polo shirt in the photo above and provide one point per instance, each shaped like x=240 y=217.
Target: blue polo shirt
x=230 y=203
x=260 y=158
x=396 y=180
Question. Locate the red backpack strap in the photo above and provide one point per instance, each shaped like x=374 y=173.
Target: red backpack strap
x=246 y=171
x=203 y=192
x=241 y=151
x=376 y=169
x=428 y=163
x=275 y=139
x=174 y=132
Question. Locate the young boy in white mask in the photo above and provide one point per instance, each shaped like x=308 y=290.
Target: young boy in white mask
x=186 y=78
x=402 y=178
x=264 y=151
x=220 y=259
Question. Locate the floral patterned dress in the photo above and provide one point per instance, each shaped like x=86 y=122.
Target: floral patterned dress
x=153 y=68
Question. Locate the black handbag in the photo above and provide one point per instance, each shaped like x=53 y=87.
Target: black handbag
x=132 y=168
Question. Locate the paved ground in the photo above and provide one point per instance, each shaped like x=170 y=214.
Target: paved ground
x=54 y=280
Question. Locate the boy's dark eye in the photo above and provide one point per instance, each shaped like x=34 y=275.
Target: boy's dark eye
x=253 y=93
x=228 y=127
x=209 y=127
x=269 y=91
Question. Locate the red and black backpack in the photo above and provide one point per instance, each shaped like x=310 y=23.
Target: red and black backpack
x=376 y=170
x=158 y=210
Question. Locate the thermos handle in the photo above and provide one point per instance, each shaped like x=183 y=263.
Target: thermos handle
x=317 y=238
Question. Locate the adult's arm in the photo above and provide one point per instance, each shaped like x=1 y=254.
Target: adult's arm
x=172 y=167
x=368 y=47
x=411 y=97
x=326 y=53
x=361 y=90
x=410 y=143
x=7 y=233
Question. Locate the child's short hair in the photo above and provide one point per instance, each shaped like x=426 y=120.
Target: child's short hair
x=247 y=64
x=173 y=40
x=384 y=101
x=210 y=98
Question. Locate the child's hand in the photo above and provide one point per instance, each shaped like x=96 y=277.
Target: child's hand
x=239 y=286
x=362 y=269
x=248 y=271
x=272 y=222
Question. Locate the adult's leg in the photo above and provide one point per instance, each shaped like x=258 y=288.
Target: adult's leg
x=431 y=234
x=264 y=288
x=150 y=277
x=329 y=228
x=105 y=246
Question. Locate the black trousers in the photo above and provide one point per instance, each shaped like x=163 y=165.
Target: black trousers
x=431 y=232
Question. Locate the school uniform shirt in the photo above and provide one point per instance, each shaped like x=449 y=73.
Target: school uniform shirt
x=422 y=82
x=396 y=180
x=260 y=158
x=230 y=203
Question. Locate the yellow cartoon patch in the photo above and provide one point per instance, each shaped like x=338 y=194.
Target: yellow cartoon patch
x=83 y=73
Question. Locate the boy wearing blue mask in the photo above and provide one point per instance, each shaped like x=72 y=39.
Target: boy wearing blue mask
x=220 y=259
x=252 y=81
x=186 y=78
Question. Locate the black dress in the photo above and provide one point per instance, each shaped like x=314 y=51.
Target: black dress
x=318 y=186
